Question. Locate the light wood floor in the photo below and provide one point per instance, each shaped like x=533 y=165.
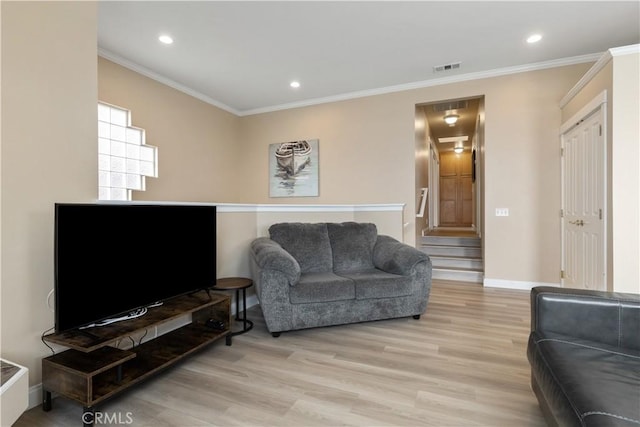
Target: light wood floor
x=462 y=364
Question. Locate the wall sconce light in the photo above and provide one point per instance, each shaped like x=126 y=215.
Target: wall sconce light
x=458 y=150
x=451 y=119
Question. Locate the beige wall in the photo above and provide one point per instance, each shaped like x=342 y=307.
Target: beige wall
x=235 y=231
x=367 y=155
x=197 y=142
x=522 y=173
x=365 y=149
x=49 y=154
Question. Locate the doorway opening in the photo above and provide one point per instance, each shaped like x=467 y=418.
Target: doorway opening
x=449 y=186
x=449 y=164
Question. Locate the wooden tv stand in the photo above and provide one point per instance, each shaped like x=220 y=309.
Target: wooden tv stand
x=92 y=370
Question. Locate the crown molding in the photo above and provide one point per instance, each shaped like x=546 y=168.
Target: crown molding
x=429 y=83
x=600 y=99
x=350 y=95
x=625 y=50
x=596 y=68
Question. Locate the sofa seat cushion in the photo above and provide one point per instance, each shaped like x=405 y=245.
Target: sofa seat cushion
x=374 y=283
x=352 y=245
x=307 y=243
x=321 y=287
x=587 y=383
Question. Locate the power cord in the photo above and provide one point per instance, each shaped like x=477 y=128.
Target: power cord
x=146 y=331
x=49 y=300
x=44 y=342
x=132 y=315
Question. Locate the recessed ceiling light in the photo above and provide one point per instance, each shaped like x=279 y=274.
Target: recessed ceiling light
x=294 y=84
x=534 y=38
x=165 y=39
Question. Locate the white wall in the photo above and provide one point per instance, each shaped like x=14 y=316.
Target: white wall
x=626 y=172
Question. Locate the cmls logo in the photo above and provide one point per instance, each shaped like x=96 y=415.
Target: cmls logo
x=107 y=418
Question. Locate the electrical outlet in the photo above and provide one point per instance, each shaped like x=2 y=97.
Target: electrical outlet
x=502 y=211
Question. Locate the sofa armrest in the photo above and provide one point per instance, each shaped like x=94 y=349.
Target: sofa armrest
x=604 y=317
x=395 y=257
x=269 y=255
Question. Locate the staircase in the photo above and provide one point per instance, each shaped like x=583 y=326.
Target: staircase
x=454 y=257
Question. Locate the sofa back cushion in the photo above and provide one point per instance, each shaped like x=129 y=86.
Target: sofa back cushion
x=352 y=245
x=307 y=243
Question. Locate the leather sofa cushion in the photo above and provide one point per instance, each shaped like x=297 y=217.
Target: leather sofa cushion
x=611 y=321
x=321 y=287
x=352 y=245
x=587 y=383
x=376 y=283
x=307 y=243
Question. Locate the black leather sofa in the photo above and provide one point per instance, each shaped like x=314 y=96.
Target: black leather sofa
x=584 y=351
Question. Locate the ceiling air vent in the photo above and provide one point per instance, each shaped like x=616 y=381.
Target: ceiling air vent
x=447 y=106
x=446 y=67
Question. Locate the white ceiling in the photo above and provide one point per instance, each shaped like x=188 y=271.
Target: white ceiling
x=242 y=55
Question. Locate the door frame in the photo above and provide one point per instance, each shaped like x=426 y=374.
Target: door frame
x=596 y=106
x=433 y=201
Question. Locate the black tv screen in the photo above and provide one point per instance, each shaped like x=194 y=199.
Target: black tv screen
x=111 y=259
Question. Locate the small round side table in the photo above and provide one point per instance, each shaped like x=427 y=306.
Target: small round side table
x=237 y=284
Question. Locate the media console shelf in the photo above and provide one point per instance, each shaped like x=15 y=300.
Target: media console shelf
x=92 y=370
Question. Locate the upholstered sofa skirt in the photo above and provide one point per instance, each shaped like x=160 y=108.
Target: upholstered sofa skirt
x=335 y=274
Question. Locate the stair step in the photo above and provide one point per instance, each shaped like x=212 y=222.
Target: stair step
x=451 y=241
x=456 y=262
x=455 y=258
x=452 y=251
x=458 y=275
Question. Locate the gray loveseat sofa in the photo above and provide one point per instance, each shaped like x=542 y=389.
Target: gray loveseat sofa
x=584 y=351
x=308 y=275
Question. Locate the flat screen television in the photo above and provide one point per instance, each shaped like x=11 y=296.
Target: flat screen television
x=111 y=259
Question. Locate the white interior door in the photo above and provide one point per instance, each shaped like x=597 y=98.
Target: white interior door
x=583 y=222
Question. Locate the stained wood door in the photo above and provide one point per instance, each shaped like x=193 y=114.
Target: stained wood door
x=456 y=190
x=583 y=223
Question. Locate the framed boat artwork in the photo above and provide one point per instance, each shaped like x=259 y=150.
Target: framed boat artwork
x=293 y=169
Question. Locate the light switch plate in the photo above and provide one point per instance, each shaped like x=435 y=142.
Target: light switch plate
x=502 y=211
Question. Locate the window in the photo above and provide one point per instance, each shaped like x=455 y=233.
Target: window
x=124 y=160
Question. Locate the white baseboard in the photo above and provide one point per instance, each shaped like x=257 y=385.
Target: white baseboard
x=252 y=300
x=35 y=392
x=515 y=284
x=35 y=396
